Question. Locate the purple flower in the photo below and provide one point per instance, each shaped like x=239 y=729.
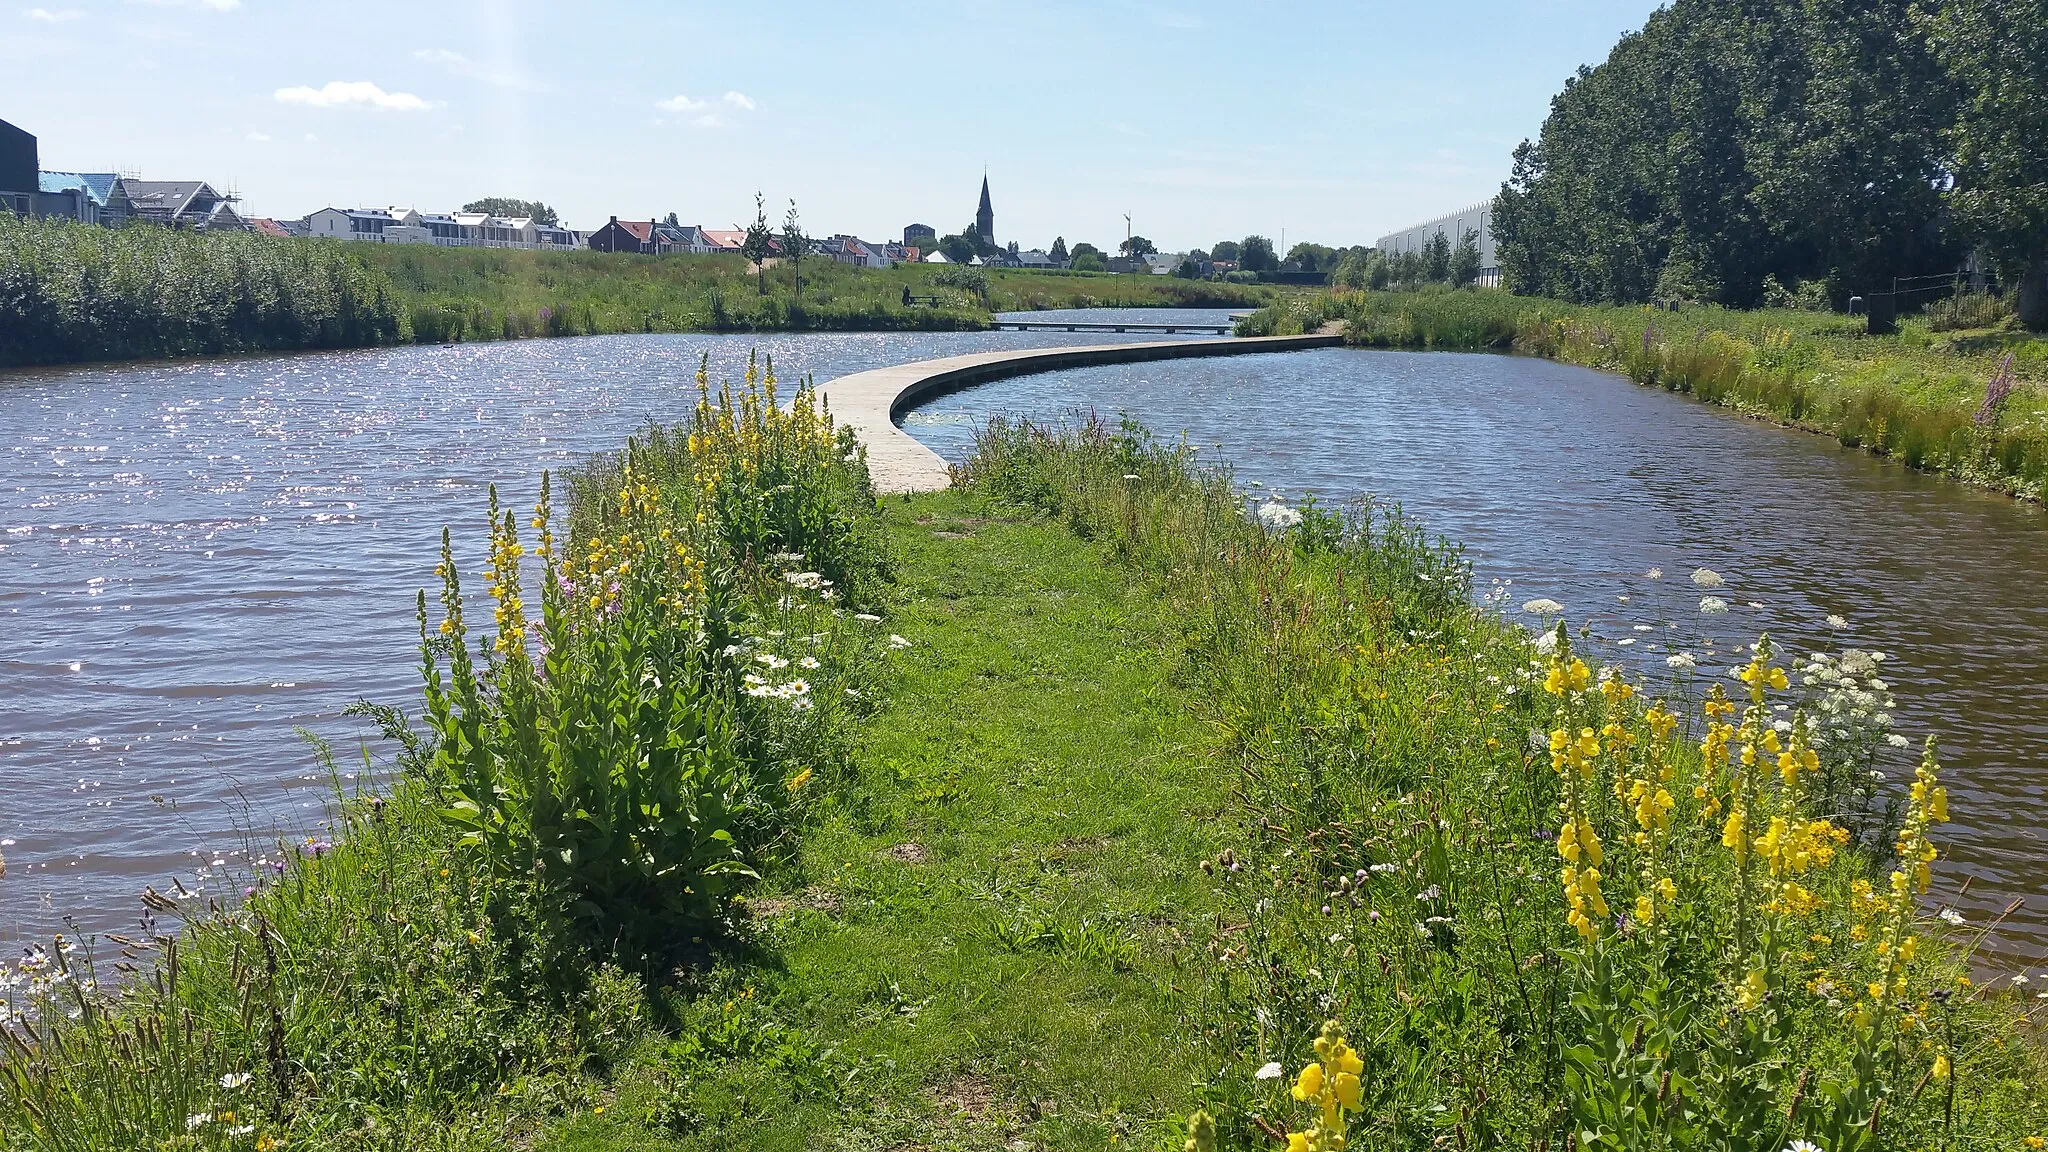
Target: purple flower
x=1995 y=394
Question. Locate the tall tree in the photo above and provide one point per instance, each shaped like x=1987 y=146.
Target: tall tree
x=1137 y=246
x=1465 y=260
x=1436 y=259
x=1997 y=52
x=794 y=243
x=1224 y=250
x=1059 y=249
x=508 y=207
x=759 y=243
x=1255 y=254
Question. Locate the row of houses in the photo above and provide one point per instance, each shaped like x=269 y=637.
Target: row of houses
x=398 y=225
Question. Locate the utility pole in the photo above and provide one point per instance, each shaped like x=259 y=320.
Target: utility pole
x=1128 y=254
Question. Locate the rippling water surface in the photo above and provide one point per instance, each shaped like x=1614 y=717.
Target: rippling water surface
x=197 y=557
x=1574 y=485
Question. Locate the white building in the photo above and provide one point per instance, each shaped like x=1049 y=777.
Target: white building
x=1477 y=219
x=396 y=225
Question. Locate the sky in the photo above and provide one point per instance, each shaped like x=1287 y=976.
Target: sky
x=1331 y=122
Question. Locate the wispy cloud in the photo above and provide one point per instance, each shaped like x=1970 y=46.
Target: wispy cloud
x=257 y=138
x=460 y=65
x=708 y=113
x=46 y=16
x=208 y=5
x=343 y=93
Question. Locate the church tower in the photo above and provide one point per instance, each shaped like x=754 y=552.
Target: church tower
x=985 y=216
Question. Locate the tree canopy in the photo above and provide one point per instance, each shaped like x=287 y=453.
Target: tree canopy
x=508 y=207
x=1137 y=246
x=1255 y=254
x=1224 y=250
x=1731 y=143
x=1059 y=249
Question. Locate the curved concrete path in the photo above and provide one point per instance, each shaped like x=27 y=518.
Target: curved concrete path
x=869 y=401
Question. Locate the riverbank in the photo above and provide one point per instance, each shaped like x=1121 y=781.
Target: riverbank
x=72 y=293
x=1971 y=403
x=1114 y=797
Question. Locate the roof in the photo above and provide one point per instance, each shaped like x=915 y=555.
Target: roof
x=98 y=185
x=984 y=195
x=725 y=238
x=640 y=230
x=268 y=227
x=172 y=196
x=937 y=258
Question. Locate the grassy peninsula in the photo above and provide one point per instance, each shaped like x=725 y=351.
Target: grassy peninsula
x=1080 y=807
x=71 y=293
x=1951 y=392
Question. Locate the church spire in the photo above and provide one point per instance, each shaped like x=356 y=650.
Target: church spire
x=985 y=216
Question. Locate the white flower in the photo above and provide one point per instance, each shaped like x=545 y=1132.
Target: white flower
x=197 y=1120
x=1712 y=606
x=1543 y=606
x=1271 y=1071
x=1130 y=475
x=1546 y=643
x=1655 y=573
x=1951 y=916
x=241 y=1129
x=867 y=617
x=1897 y=741
x=807 y=662
x=1802 y=1146
x=806 y=579
x=234 y=1080
x=1837 y=622
x=760 y=690
x=1681 y=661
x=2022 y=979
x=1277 y=517
x=1707 y=578
x=775 y=663
x=896 y=641
x=1625 y=641
x=796 y=688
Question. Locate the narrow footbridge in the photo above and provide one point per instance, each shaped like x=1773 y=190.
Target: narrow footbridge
x=1224 y=328
x=869 y=401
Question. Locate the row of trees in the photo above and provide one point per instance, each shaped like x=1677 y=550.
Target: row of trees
x=1732 y=147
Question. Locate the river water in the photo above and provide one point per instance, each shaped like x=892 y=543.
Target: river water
x=198 y=558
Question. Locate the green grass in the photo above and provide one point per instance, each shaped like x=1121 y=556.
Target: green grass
x=984 y=933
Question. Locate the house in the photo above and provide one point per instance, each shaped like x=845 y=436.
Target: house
x=19 y=185
x=80 y=196
x=919 y=236
x=648 y=237
x=724 y=240
x=1036 y=258
x=350 y=223
x=176 y=204
x=851 y=250
x=264 y=226
x=936 y=257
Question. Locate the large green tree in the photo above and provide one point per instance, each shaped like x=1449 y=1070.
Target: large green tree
x=1997 y=53
x=1255 y=254
x=1734 y=141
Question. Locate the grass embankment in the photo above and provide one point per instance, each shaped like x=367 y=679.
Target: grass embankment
x=1920 y=396
x=72 y=293
x=1146 y=791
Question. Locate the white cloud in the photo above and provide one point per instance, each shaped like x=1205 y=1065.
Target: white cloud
x=258 y=138
x=460 y=65
x=45 y=16
x=708 y=113
x=340 y=93
x=208 y=5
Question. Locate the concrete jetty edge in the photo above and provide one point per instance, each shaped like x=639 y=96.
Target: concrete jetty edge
x=869 y=401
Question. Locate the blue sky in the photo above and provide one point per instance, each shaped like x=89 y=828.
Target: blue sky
x=1336 y=122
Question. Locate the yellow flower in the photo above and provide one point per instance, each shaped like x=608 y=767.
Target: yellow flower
x=797 y=781
x=1309 y=1084
x=1752 y=990
x=1941 y=1066
x=2034 y=1142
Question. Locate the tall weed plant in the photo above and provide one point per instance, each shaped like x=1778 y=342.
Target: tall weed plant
x=1537 y=903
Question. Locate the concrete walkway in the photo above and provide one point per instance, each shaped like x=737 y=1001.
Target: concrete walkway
x=869 y=401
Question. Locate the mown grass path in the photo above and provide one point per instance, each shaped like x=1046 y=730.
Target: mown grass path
x=978 y=949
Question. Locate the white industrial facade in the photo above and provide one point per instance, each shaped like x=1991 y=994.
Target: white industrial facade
x=1476 y=219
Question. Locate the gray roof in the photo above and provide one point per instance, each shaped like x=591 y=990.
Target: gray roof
x=172 y=196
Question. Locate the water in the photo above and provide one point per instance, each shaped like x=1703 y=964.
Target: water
x=195 y=558
x=1573 y=485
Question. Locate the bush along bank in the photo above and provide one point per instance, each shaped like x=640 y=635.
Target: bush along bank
x=71 y=292
x=597 y=775
x=1964 y=403
x=1484 y=894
